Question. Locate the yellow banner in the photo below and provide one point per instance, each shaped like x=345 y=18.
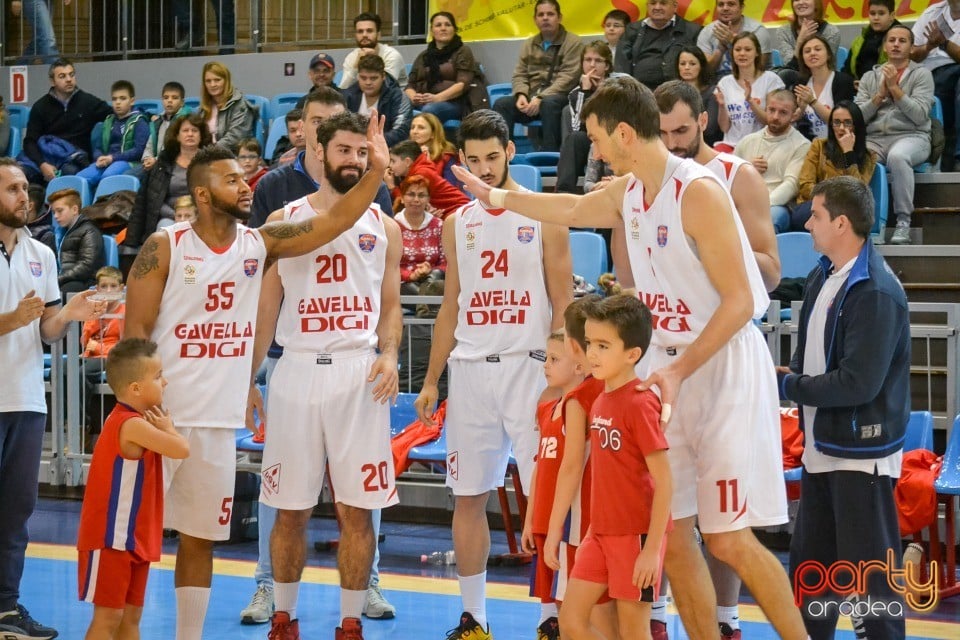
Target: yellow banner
x=502 y=19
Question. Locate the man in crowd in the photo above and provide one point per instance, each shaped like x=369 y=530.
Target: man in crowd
x=649 y=49
x=321 y=72
x=716 y=38
x=374 y=89
x=367 y=34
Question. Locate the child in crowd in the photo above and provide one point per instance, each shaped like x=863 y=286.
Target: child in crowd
x=249 y=157
x=631 y=484
x=80 y=248
x=184 y=209
x=291 y=144
x=124 y=137
x=866 y=50
x=39 y=217
x=102 y=334
x=172 y=97
x=121 y=521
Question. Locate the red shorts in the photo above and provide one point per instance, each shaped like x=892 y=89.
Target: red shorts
x=111 y=578
x=609 y=560
x=545 y=583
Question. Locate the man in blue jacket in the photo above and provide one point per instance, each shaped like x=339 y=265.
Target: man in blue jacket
x=376 y=89
x=850 y=377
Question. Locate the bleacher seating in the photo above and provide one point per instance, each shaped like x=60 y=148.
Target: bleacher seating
x=545 y=161
x=111 y=252
x=16 y=142
x=278 y=129
x=19 y=114
x=527 y=176
x=71 y=182
x=263 y=108
x=149 y=105
x=282 y=103
x=936 y=113
x=112 y=184
x=881 y=199
x=589 y=253
x=842 y=54
x=193 y=102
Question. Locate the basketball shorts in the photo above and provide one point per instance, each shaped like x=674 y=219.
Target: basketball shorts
x=725 y=434
x=609 y=560
x=112 y=578
x=492 y=405
x=322 y=412
x=545 y=583
x=198 y=498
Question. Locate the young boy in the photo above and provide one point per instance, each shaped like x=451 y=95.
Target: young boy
x=632 y=488
x=184 y=209
x=290 y=145
x=121 y=521
x=172 y=98
x=101 y=335
x=248 y=155
x=80 y=250
x=124 y=137
x=39 y=217
x=866 y=50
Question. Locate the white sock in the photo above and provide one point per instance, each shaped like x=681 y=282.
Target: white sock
x=547 y=610
x=473 y=592
x=191 y=611
x=658 y=610
x=730 y=615
x=285 y=596
x=351 y=603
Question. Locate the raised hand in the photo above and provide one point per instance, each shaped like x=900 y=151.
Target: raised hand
x=159 y=418
x=82 y=308
x=378 y=158
x=473 y=184
x=847 y=141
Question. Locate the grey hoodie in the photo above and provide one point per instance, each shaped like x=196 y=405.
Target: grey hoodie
x=910 y=114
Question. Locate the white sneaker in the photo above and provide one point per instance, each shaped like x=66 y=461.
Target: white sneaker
x=376 y=605
x=901 y=235
x=260 y=609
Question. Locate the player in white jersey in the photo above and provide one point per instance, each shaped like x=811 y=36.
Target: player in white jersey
x=508 y=282
x=339 y=325
x=193 y=290
x=689 y=258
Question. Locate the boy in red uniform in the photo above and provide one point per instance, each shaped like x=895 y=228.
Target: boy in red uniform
x=121 y=521
x=631 y=484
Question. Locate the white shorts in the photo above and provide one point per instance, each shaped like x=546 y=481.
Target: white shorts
x=724 y=437
x=491 y=405
x=198 y=497
x=325 y=413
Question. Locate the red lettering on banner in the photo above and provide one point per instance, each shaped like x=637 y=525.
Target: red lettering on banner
x=775 y=12
x=844 y=13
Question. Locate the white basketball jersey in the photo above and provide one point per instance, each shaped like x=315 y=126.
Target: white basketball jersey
x=331 y=297
x=725 y=166
x=504 y=307
x=206 y=326
x=669 y=276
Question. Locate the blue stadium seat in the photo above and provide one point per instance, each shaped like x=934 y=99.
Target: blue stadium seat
x=498 y=90
x=19 y=115
x=193 y=102
x=259 y=132
x=797 y=255
x=842 y=54
x=149 y=105
x=263 y=107
x=112 y=184
x=278 y=129
x=881 y=199
x=16 y=142
x=919 y=431
x=948 y=483
x=545 y=161
x=776 y=60
x=338 y=77
x=527 y=176
x=96 y=136
x=402 y=413
x=111 y=252
x=589 y=253
x=282 y=103
x=67 y=182
x=936 y=113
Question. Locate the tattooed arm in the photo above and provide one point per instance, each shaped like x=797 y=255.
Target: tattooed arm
x=145 y=286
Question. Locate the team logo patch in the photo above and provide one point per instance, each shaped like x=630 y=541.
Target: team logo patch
x=250 y=267
x=453 y=464
x=525 y=234
x=271 y=479
x=662 y=235
x=189 y=274
x=634 y=228
x=471 y=239
x=367 y=242
x=36 y=269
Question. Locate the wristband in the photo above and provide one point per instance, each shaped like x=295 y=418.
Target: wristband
x=498 y=198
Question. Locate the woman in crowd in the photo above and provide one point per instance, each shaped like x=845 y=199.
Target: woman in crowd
x=692 y=68
x=824 y=87
x=440 y=76
x=423 y=259
x=742 y=95
x=228 y=116
x=843 y=152
x=167 y=180
x=427 y=131
x=807 y=20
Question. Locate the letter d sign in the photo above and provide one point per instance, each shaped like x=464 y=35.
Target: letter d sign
x=18 y=85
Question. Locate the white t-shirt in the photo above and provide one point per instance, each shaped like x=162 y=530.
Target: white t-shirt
x=939 y=13
x=817 y=125
x=742 y=119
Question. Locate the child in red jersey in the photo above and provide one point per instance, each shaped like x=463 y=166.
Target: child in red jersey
x=121 y=521
x=631 y=484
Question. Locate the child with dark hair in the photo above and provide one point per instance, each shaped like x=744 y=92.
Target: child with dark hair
x=124 y=137
x=39 y=217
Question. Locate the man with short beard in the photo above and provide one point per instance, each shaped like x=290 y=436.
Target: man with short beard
x=367 y=34
x=30 y=311
x=193 y=289
x=339 y=324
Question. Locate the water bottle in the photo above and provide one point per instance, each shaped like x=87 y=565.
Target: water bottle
x=439 y=557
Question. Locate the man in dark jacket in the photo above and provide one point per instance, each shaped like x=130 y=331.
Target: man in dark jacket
x=850 y=376
x=81 y=249
x=650 y=47
x=65 y=112
x=321 y=72
x=376 y=89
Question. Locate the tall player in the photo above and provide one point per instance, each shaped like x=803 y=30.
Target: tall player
x=339 y=326
x=193 y=289
x=508 y=283
x=690 y=260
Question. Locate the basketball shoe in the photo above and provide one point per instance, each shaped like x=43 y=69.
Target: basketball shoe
x=260 y=608
x=376 y=605
x=658 y=630
x=728 y=633
x=549 y=630
x=351 y=630
x=283 y=628
x=469 y=629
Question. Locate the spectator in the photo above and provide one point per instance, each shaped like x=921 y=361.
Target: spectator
x=807 y=20
x=545 y=73
x=66 y=114
x=423 y=259
x=172 y=96
x=937 y=47
x=650 y=47
x=596 y=63
x=614 y=26
x=597 y=176
x=124 y=137
x=741 y=109
x=229 y=117
x=427 y=131
x=367 y=34
x=251 y=161
x=301 y=177
x=407 y=160
x=374 y=89
x=850 y=375
x=43 y=45
x=842 y=153
x=777 y=151
x=167 y=180
x=102 y=334
x=185 y=209
x=290 y=145
x=824 y=87
x=866 y=50
x=442 y=74
x=895 y=99
x=81 y=248
x=322 y=70
x=39 y=217
x=716 y=38
x=692 y=68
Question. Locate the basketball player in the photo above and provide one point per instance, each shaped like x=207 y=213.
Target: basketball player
x=339 y=326
x=508 y=282
x=690 y=260
x=193 y=289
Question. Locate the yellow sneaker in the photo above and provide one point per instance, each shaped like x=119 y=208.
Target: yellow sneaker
x=469 y=629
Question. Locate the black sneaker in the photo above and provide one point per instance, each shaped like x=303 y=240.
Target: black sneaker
x=20 y=626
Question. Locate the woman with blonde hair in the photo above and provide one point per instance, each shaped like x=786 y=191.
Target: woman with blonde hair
x=229 y=117
x=427 y=131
